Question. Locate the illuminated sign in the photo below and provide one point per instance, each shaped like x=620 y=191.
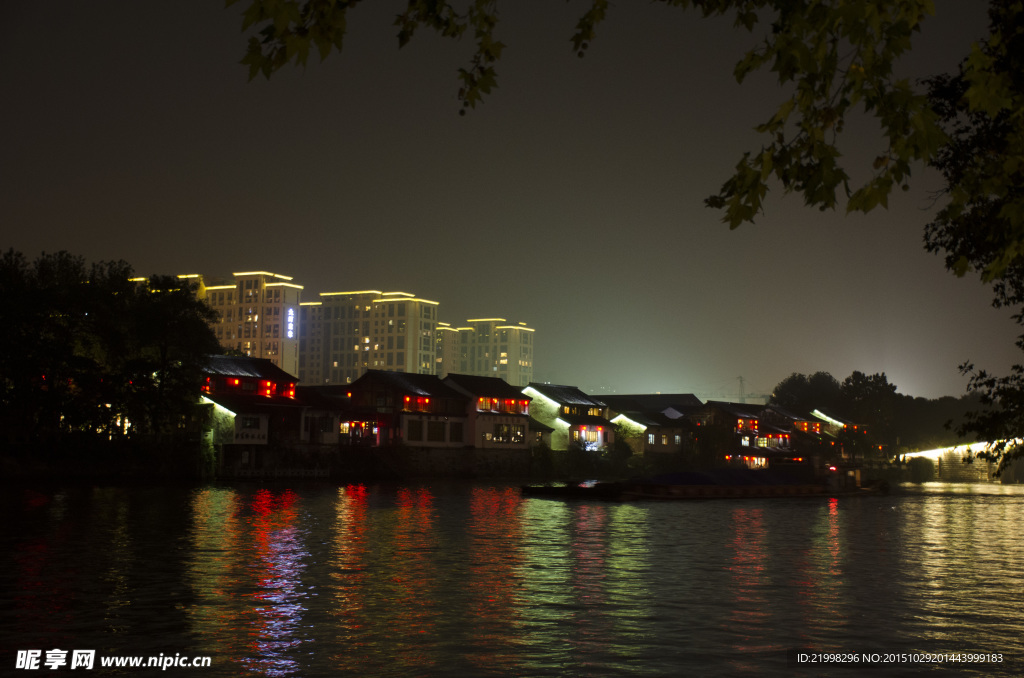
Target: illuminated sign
x=290 y=323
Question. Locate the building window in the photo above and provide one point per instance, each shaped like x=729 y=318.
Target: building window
x=435 y=431
x=250 y=423
x=664 y=439
x=415 y=430
x=455 y=432
x=650 y=438
x=679 y=439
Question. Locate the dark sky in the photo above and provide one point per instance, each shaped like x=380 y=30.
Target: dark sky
x=571 y=200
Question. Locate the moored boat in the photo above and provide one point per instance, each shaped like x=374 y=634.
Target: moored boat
x=575 y=490
x=723 y=484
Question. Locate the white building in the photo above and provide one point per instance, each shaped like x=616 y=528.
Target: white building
x=347 y=333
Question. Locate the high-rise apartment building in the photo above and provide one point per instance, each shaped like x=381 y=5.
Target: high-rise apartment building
x=337 y=338
x=487 y=347
x=258 y=315
x=448 y=351
x=346 y=333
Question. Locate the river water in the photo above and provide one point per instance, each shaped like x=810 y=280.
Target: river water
x=474 y=580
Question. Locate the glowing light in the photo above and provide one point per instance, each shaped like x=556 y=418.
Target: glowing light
x=821 y=415
x=216 y=407
x=290 y=323
x=273 y=275
x=334 y=294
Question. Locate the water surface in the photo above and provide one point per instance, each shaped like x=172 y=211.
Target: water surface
x=474 y=580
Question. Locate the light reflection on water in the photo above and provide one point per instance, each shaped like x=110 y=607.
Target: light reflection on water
x=475 y=580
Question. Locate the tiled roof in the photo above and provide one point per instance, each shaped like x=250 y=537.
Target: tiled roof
x=244 y=366
x=654 y=419
x=415 y=384
x=584 y=420
x=648 y=402
x=816 y=414
x=252 y=404
x=783 y=413
x=639 y=417
x=490 y=387
x=744 y=410
x=326 y=397
x=765 y=429
x=536 y=426
x=565 y=395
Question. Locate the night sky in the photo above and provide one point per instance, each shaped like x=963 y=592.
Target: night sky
x=571 y=200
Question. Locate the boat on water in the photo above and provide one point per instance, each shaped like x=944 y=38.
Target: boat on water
x=719 y=484
x=587 y=489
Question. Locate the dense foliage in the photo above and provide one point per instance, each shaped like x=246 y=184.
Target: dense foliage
x=896 y=422
x=88 y=354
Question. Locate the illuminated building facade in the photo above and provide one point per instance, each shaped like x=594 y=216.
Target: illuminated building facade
x=417 y=410
x=576 y=418
x=338 y=337
x=258 y=315
x=655 y=423
x=498 y=413
x=253 y=412
x=344 y=334
x=487 y=347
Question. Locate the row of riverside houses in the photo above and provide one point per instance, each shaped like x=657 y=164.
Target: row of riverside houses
x=336 y=337
x=262 y=423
